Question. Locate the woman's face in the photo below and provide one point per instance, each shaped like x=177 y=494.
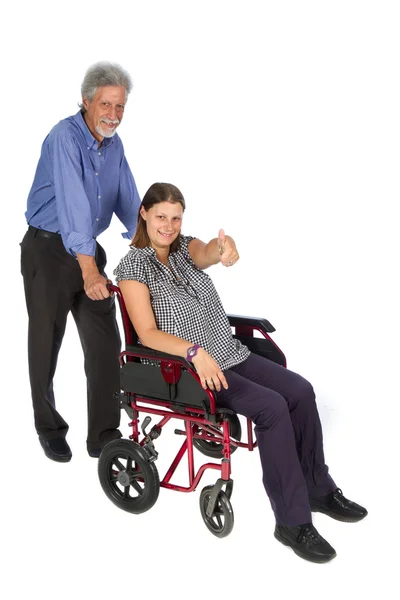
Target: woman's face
x=163 y=222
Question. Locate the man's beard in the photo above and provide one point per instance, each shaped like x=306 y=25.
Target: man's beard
x=106 y=133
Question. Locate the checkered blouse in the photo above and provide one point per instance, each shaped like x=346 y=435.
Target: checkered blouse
x=184 y=301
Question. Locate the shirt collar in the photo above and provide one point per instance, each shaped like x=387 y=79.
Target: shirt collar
x=149 y=251
x=90 y=141
x=146 y=251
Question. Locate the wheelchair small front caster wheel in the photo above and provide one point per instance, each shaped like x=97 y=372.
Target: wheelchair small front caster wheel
x=220 y=523
x=127 y=477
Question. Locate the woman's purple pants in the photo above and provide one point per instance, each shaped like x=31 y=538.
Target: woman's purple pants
x=288 y=431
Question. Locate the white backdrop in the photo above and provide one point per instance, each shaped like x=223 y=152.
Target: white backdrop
x=279 y=121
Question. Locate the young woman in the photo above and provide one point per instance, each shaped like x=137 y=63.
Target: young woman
x=174 y=307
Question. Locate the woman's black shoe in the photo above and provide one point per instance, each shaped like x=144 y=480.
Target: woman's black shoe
x=306 y=542
x=335 y=505
x=56 y=449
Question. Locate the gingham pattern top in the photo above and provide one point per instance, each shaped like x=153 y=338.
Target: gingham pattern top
x=184 y=300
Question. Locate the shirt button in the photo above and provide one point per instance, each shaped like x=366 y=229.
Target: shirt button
x=99 y=153
x=96 y=173
x=99 y=197
x=88 y=148
x=97 y=219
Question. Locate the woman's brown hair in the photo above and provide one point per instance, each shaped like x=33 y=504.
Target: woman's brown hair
x=157 y=193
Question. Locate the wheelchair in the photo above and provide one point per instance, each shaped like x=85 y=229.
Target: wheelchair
x=168 y=387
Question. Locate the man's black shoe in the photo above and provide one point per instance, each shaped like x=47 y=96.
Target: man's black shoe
x=56 y=449
x=107 y=436
x=94 y=452
x=335 y=505
x=305 y=542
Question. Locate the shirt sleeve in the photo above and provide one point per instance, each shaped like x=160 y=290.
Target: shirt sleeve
x=131 y=268
x=128 y=204
x=183 y=248
x=73 y=207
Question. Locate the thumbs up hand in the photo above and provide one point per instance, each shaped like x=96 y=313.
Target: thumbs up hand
x=227 y=249
x=221 y=241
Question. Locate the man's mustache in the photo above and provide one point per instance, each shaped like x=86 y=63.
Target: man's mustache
x=109 y=121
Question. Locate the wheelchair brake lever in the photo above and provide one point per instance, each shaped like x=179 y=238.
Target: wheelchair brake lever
x=148 y=438
x=145 y=423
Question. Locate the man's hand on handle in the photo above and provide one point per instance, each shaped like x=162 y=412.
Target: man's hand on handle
x=95 y=286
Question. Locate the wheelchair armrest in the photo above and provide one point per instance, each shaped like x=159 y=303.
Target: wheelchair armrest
x=145 y=352
x=168 y=383
x=251 y=322
x=244 y=332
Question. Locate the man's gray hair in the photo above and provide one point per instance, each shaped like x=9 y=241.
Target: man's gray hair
x=101 y=74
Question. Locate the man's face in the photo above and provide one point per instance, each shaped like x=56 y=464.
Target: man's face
x=104 y=113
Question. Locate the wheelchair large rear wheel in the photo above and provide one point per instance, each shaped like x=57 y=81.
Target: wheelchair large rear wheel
x=215 y=449
x=127 y=477
x=221 y=521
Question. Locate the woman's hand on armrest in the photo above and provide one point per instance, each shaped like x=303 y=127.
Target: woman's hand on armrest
x=221 y=249
x=209 y=372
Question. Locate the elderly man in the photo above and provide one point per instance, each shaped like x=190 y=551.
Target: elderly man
x=82 y=178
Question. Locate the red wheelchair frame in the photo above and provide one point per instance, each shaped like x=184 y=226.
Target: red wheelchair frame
x=172 y=390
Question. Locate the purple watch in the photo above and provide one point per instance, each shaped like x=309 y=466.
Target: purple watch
x=191 y=352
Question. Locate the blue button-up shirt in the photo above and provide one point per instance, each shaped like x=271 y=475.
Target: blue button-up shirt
x=78 y=186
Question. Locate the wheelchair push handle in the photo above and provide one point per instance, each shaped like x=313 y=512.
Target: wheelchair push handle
x=113 y=289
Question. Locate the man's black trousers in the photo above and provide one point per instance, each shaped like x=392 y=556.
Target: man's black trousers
x=54 y=287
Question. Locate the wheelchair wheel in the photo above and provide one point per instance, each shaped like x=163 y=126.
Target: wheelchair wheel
x=127 y=477
x=215 y=449
x=221 y=521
